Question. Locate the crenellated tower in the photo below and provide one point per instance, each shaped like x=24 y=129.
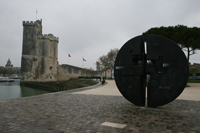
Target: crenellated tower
x=39 y=53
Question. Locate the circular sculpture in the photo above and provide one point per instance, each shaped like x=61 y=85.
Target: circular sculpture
x=158 y=58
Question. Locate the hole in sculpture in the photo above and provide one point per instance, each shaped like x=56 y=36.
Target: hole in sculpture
x=165 y=64
x=149 y=63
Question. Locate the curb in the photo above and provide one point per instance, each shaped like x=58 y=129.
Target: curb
x=85 y=88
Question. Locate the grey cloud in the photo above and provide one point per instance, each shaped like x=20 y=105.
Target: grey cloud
x=90 y=28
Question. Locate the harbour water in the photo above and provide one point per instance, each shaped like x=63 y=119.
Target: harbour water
x=12 y=90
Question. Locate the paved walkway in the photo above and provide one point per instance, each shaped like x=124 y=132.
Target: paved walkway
x=99 y=110
x=109 y=89
x=190 y=93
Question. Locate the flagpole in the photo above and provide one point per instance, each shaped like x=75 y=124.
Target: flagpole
x=36 y=14
x=82 y=63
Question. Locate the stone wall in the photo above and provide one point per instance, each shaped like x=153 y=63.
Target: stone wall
x=65 y=72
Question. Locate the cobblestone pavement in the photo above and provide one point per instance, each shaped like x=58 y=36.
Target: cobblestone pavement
x=65 y=112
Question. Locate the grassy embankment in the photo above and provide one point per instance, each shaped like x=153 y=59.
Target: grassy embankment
x=193 y=81
x=70 y=84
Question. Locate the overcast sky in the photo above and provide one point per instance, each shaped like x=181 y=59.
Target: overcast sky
x=90 y=28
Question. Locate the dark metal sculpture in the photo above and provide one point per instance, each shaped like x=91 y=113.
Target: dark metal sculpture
x=161 y=60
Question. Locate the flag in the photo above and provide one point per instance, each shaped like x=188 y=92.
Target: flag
x=36 y=11
x=84 y=59
x=98 y=63
x=69 y=55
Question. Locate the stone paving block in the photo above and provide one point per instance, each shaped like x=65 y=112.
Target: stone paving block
x=66 y=112
x=115 y=125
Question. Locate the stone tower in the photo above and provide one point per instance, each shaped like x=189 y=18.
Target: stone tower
x=39 y=60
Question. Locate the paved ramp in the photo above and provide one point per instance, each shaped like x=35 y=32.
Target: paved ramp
x=110 y=89
x=191 y=93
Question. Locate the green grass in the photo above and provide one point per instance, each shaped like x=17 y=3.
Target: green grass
x=70 y=84
x=193 y=81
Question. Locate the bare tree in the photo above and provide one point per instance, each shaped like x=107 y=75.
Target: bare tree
x=107 y=62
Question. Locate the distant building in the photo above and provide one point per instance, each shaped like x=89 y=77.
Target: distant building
x=9 y=64
x=109 y=74
x=195 y=65
x=16 y=68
